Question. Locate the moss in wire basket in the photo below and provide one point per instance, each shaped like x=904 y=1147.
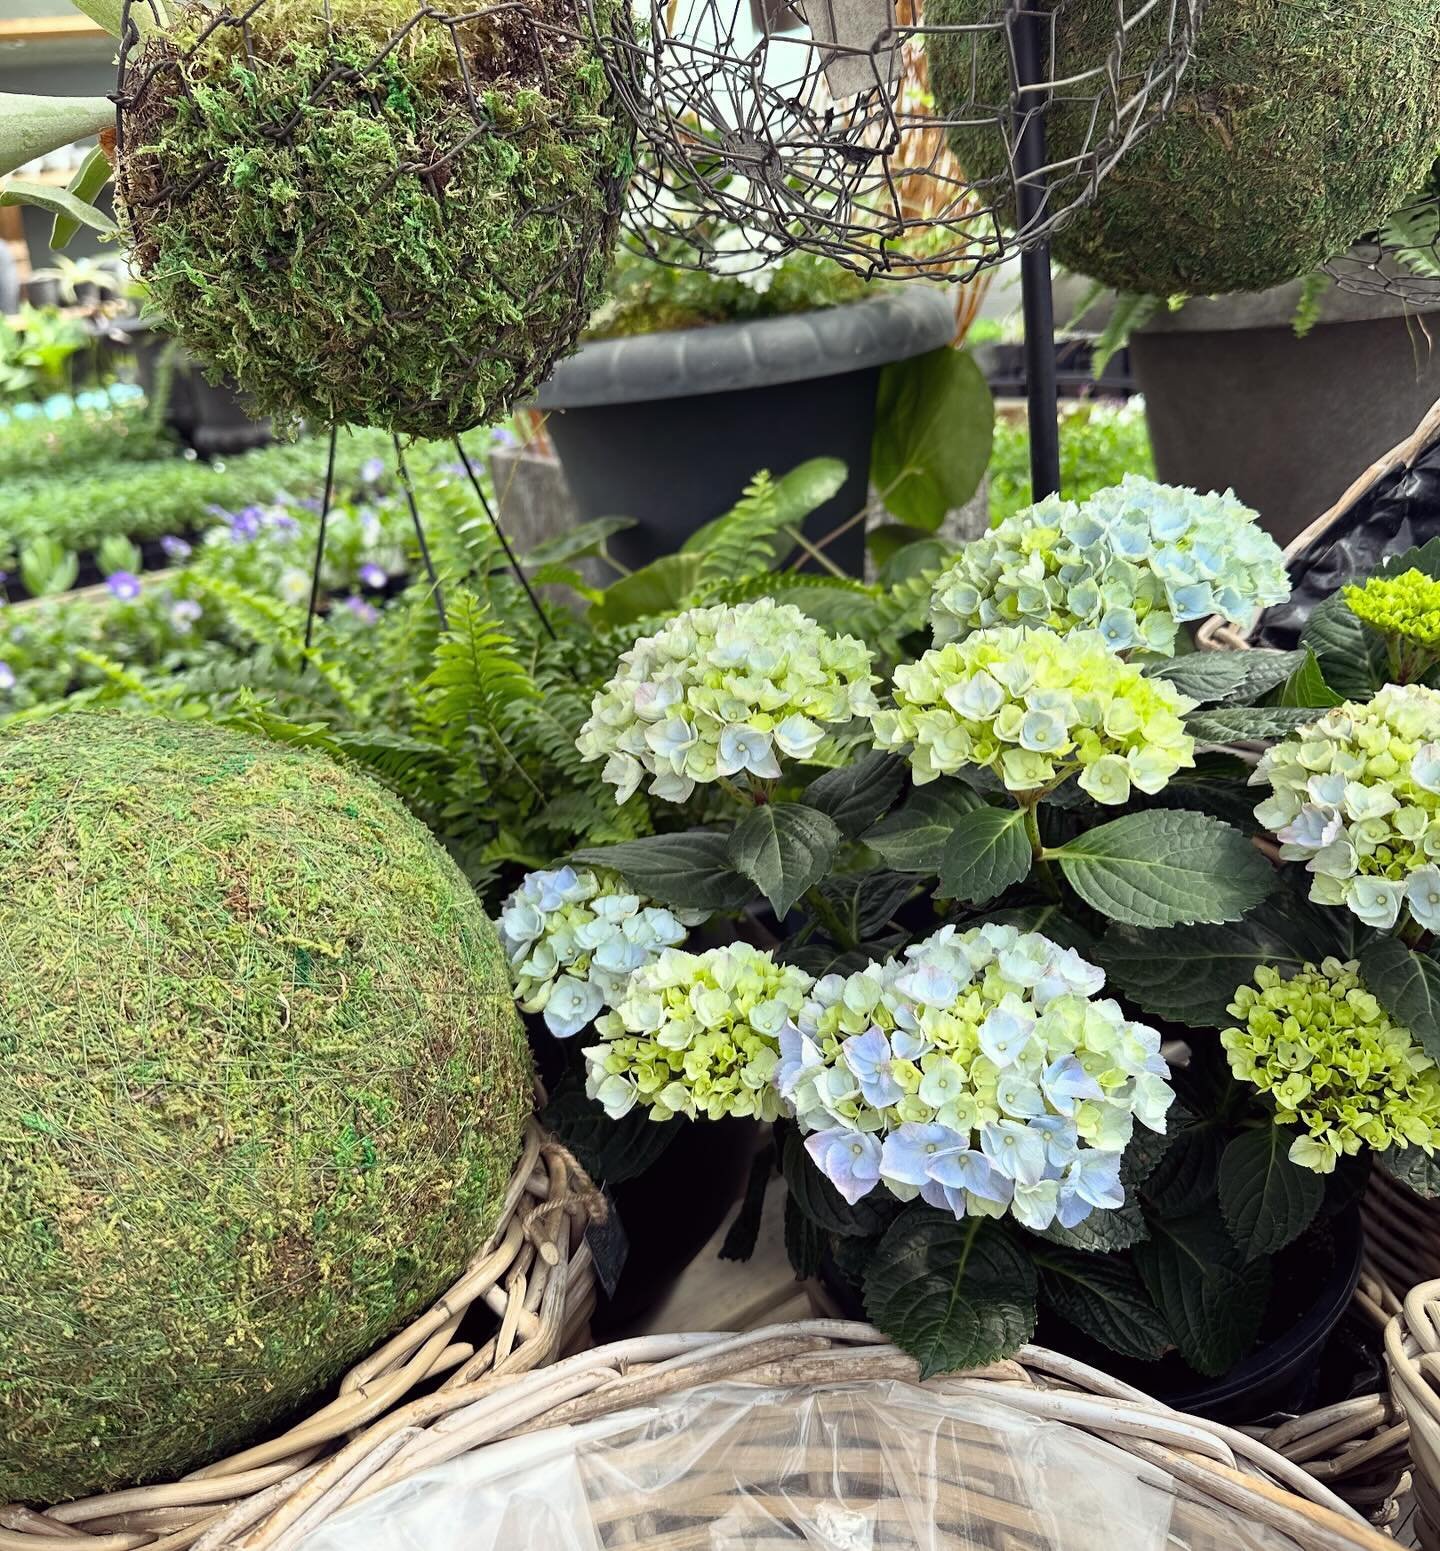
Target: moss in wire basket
x=391 y=241
x=263 y=1090
x=1297 y=128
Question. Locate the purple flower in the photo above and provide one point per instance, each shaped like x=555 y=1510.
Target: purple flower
x=800 y=1061
x=7 y=675
x=245 y=524
x=962 y=1168
x=850 y=1160
x=1065 y=1082
x=372 y=575
x=1094 y=1180
x=184 y=612
x=910 y=1150
x=372 y=471
x=176 y=549
x=309 y=504
x=124 y=585
x=283 y=522
x=365 y=612
x=503 y=436
x=868 y=1055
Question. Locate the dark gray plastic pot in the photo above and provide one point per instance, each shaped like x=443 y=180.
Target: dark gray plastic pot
x=668 y=428
x=1234 y=399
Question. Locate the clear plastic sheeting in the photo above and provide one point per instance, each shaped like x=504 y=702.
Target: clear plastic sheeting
x=867 y=1467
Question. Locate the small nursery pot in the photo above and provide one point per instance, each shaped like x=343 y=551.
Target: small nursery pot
x=668 y=428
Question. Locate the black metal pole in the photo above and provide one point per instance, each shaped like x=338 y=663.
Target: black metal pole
x=1042 y=395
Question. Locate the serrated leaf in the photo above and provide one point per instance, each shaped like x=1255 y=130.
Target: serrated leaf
x=1161 y=867
x=32 y=126
x=1224 y=725
x=1306 y=686
x=1267 y=1201
x=1413 y=1169
x=1186 y=1175
x=954 y=1294
x=1212 y=1305
x=819 y=1200
x=611 y=1151
x=1050 y=920
x=988 y=851
x=1228 y=678
x=1103 y=1296
x=913 y=838
x=855 y=796
x=804 y=1242
x=785 y=848
x=1407 y=986
x=1102 y=1232
x=1352 y=658
x=688 y=871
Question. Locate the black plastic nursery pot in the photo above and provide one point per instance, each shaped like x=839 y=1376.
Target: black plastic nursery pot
x=668 y=428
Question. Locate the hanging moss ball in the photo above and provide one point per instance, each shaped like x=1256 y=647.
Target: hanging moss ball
x=1297 y=128
x=369 y=212
x=262 y=1088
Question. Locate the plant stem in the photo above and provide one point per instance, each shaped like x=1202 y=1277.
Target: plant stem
x=830 y=917
x=1043 y=869
x=818 y=556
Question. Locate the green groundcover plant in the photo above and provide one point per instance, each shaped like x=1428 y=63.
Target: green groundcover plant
x=1085 y=976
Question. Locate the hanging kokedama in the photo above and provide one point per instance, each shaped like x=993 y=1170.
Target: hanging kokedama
x=1295 y=129
x=372 y=214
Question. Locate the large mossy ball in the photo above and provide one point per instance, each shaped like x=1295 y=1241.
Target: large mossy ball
x=366 y=212
x=1297 y=128
x=262 y=1088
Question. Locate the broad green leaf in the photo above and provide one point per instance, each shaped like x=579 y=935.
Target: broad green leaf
x=804 y=1242
x=611 y=1151
x=856 y=795
x=1049 y=919
x=1102 y=1232
x=90 y=177
x=1424 y=558
x=1267 y=1201
x=954 y=1294
x=35 y=126
x=934 y=423
x=823 y=1205
x=1412 y=1168
x=1228 y=678
x=902 y=552
x=1217 y=784
x=1103 y=1296
x=1212 y=1303
x=1248 y=724
x=1186 y=1175
x=785 y=848
x=109 y=14
x=1166 y=868
x=1352 y=658
x=1306 y=686
x=688 y=871
x=1407 y=986
x=988 y=851
x=913 y=838
x=653 y=589
x=576 y=543
x=58 y=201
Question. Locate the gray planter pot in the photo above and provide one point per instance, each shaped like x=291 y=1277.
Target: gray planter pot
x=1234 y=399
x=668 y=428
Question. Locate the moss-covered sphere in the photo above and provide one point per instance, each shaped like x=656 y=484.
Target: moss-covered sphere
x=373 y=225
x=263 y=1089
x=1297 y=128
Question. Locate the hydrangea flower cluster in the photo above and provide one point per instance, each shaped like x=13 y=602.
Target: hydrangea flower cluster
x=1357 y=798
x=1333 y=1062
x=573 y=940
x=1407 y=605
x=721 y=692
x=977 y=1072
x=1131 y=562
x=697 y=1034
x=1036 y=707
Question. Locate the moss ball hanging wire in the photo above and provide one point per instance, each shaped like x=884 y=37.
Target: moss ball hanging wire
x=369 y=213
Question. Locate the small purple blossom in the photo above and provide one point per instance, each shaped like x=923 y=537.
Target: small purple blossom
x=503 y=436
x=184 y=612
x=372 y=471
x=850 y=1160
x=123 y=585
x=245 y=524
x=910 y=1150
x=176 y=549
x=283 y=522
x=309 y=504
x=365 y=612
x=7 y=676
x=372 y=575
x=868 y=1055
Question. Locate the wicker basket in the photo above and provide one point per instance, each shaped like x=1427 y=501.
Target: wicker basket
x=1223 y=1471
x=1412 y=1351
x=535 y=1275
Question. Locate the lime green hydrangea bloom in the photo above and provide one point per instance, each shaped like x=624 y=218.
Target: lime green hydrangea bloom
x=1036 y=708
x=1357 y=799
x=1406 y=607
x=1334 y=1064
x=722 y=692
x=1131 y=562
x=697 y=1034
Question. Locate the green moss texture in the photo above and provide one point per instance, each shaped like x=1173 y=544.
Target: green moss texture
x=1298 y=127
x=261 y=1090
x=368 y=224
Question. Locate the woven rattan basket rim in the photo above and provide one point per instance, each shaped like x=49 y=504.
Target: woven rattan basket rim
x=1412 y=1354
x=535 y=1274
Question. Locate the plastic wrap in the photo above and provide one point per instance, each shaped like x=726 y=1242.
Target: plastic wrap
x=866 y=1467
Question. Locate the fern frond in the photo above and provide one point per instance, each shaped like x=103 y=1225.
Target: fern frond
x=747 y=541
x=1411 y=234
x=477 y=674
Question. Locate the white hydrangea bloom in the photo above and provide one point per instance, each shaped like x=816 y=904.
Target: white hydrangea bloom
x=1356 y=797
x=1131 y=562
x=573 y=940
x=978 y=1072
x=724 y=692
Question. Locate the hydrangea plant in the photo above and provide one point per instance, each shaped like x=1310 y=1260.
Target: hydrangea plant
x=1356 y=797
x=1405 y=609
x=722 y=693
x=978 y=1072
x=1132 y=562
